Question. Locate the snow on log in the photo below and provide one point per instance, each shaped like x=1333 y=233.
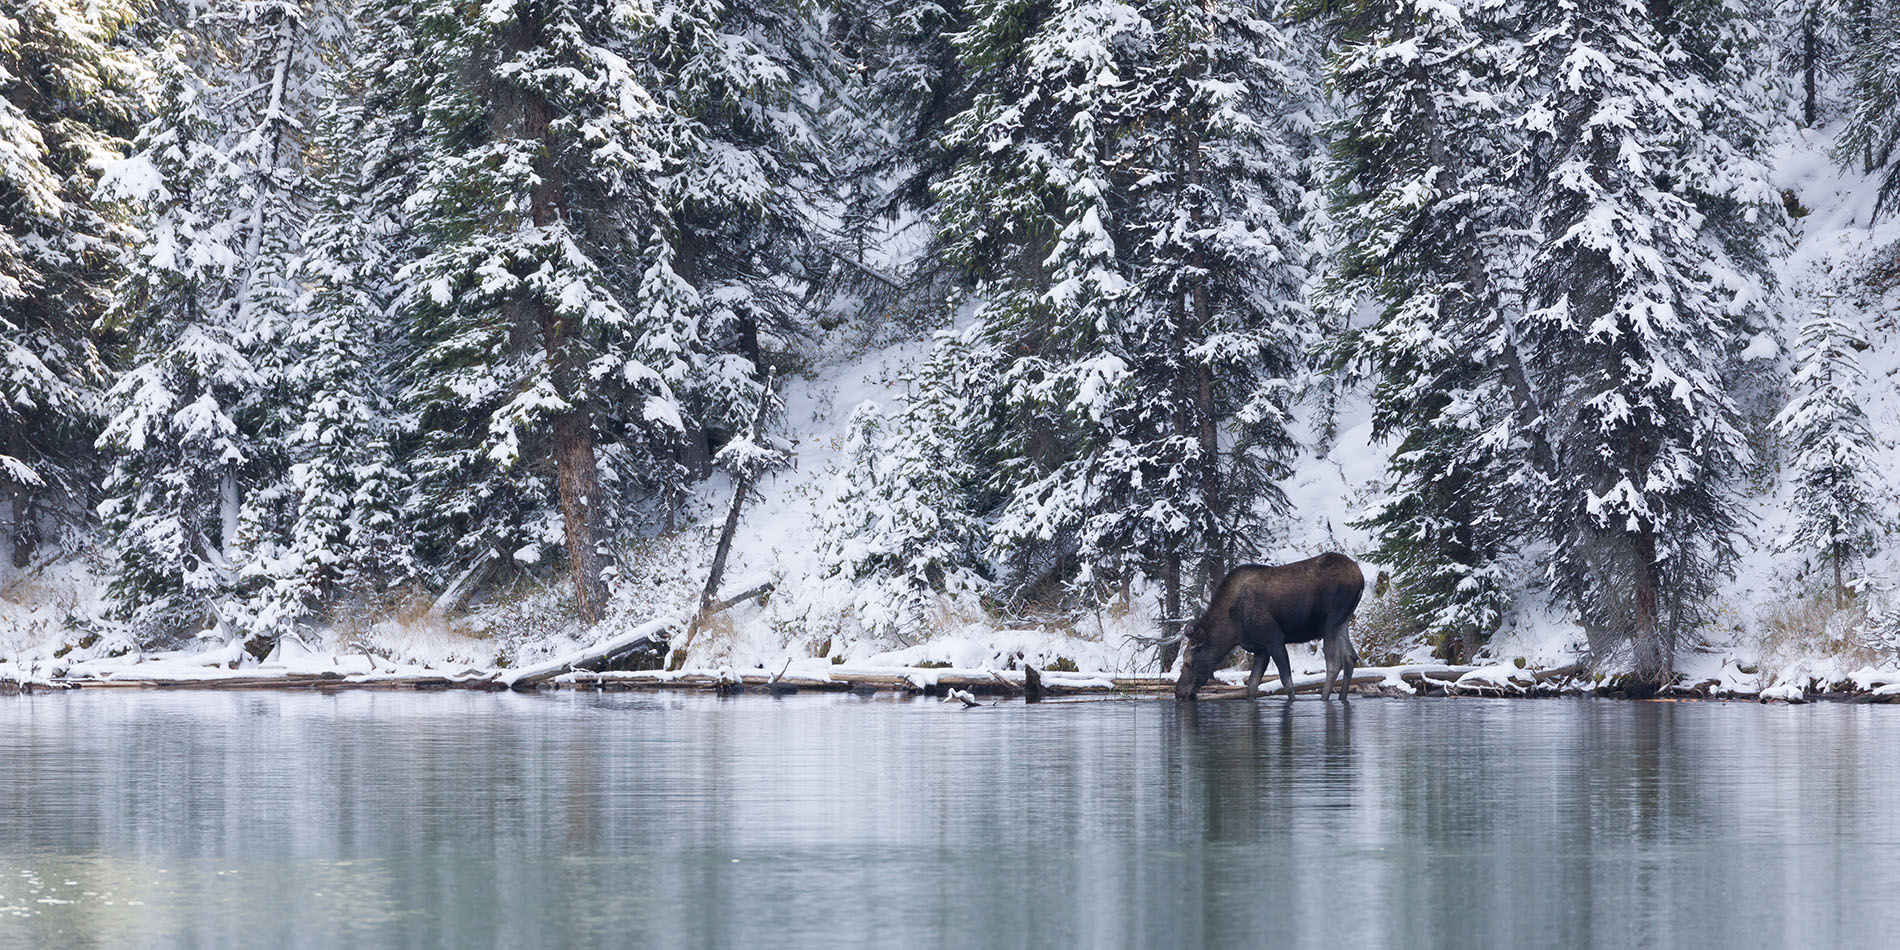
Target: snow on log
x=648 y=636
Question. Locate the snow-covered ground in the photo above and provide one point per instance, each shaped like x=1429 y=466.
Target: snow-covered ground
x=1773 y=629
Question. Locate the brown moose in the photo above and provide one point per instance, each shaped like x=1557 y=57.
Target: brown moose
x=1263 y=608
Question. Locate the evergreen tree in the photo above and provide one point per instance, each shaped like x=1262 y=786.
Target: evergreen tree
x=902 y=84
x=1219 y=326
x=1122 y=200
x=734 y=82
x=341 y=535
x=1425 y=165
x=1812 y=41
x=610 y=199
x=1837 y=504
x=69 y=98
x=196 y=423
x=1872 y=133
x=898 y=532
x=1029 y=213
x=1634 y=307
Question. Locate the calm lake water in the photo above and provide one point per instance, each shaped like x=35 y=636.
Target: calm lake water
x=577 y=819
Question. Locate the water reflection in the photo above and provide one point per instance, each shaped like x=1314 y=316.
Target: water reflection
x=173 y=819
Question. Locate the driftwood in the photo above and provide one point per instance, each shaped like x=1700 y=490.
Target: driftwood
x=471 y=679
x=590 y=669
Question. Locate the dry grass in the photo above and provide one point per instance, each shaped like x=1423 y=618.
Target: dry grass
x=1811 y=625
x=1383 y=631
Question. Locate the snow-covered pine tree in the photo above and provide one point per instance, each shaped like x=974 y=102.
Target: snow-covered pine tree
x=1872 y=133
x=1123 y=198
x=899 y=533
x=342 y=534
x=1428 y=226
x=1631 y=331
x=1031 y=211
x=737 y=82
x=552 y=310
x=1218 y=326
x=902 y=84
x=70 y=98
x=1811 y=43
x=1837 y=501
x=196 y=421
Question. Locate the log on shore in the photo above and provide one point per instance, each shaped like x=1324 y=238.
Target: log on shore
x=650 y=636
x=469 y=679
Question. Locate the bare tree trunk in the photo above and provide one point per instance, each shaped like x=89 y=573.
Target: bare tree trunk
x=721 y=550
x=741 y=488
x=1171 y=610
x=1654 y=654
x=579 y=480
x=1810 y=65
x=1839 y=553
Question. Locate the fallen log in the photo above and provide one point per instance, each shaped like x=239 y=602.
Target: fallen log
x=650 y=636
x=324 y=680
x=1309 y=684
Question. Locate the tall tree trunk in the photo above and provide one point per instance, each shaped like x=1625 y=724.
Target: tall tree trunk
x=576 y=473
x=1171 y=610
x=695 y=450
x=1810 y=65
x=1206 y=432
x=579 y=480
x=1839 y=552
x=1654 y=653
x=24 y=530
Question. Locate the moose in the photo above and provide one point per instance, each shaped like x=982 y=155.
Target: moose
x=1263 y=608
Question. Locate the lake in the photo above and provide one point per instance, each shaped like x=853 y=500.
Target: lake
x=265 y=819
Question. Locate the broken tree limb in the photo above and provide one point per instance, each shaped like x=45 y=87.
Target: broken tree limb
x=963 y=696
x=464 y=585
x=867 y=270
x=740 y=598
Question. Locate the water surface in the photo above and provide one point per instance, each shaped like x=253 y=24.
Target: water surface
x=623 y=819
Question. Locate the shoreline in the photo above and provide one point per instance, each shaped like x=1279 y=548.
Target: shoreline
x=1423 y=681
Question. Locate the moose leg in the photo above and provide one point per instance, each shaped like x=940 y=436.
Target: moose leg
x=1285 y=666
x=1253 y=677
x=1332 y=669
x=1346 y=663
x=1339 y=656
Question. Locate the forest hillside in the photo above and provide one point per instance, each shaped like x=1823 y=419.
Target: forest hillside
x=965 y=331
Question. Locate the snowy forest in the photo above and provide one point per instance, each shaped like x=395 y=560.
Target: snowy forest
x=959 y=327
